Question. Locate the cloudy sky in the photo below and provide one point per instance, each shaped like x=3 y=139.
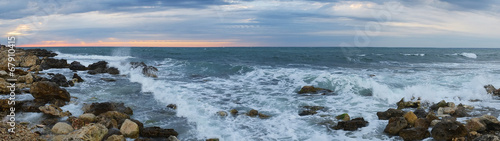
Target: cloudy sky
x=227 y=23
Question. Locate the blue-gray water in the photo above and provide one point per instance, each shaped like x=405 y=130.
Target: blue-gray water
x=202 y=81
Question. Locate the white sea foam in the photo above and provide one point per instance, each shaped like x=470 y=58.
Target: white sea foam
x=89 y=59
x=414 y=54
x=466 y=54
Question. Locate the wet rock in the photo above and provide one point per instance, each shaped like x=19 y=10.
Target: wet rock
x=172 y=138
x=490 y=89
x=93 y=72
x=54 y=111
x=91 y=132
x=75 y=65
x=491 y=122
x=234 y=112
x=78 y=78
x=310 y=110
x=447 y=130
x=48 y=91
x=422 y=123
x=60 y=80
x=137 y=65
x=408 y=104
x=48 y=63
x=253 y=113
x=222 y=113
x=150 y=71
x=98 y=108
x=263 y=116
x=87 y=118
x=487 y=137
x=76 y=123
x=313 y=90
x=213 y=139
x=343 y=117
x=41 y=52
x=436 y=106
x=108 y=79
x=113 y=70
x=460 y=111
x=434 y=122
x=62 y=128
x=116 y=116
x=410 y=117
x=390 y=113
x=129 y=129
x=111 y=132
x=416 y=133
x=28 y=61
x=28 y=79
x=116 y=138
x=475 y=124
x=431 y=116
x=98 y=65
x=420 y=113
x=395 y=125
x=172 y=106
x=351 y=125
x=155 y=132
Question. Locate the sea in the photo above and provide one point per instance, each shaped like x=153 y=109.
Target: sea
x=203 y=81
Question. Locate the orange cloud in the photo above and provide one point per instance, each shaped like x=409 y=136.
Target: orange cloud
x=135 y=43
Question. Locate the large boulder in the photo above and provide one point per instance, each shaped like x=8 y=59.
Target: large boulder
x=475 y=124
x=417 y=133
x=148 y=71
x=420 y=113
x=98 y=108
x=155 y=132
x=351 y=125
x=87 y=118
x=41 y=52
x=112 y=70
x=48 y=91
x=101 y=67
x=91 y=132
x=395 y=125
x=310 y=110
x=29 y=60
x=447 y=130
x=98 y=65
x=422 y=123
x=410 y=118
x=60 y=80
x=390 y=113
x=75 y=65
x=314 y=90
x=129 y=129
x=62 y=128
x=54 y=111
x=491 y=122
x=48 y=63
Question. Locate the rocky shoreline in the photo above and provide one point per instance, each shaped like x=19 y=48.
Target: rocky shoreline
x=111 y=121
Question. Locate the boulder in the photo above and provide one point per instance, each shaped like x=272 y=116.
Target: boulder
x=222 y=113
x=314 y=90
x=113 y=70
x=75 y=65
x=98 y=65
x=62 y=128
x=41 y=52
x=233 y=112
x=420 y=113
x=410 y=117
x=28 y=61
x=172 y=106
x=460 y=111
x=87 y=118
x=351 y=125
x=343 y=117
x=48 y=91
x=111 y=132
x=434 y=122
x=310 y=110
x=395 y=125
x=475 y=124
x=436 y=106
x=78 y=78
x=155 y=132
x=447 y=130
x=115 y=117
x=390 y=113
x=422 y=123
x=253 y=113
x=91 y=132
x=490 y=89
x=137 y=65
x=48 y=63
x=60 y=80
x=408 y=104
x=36 y=68
x=28 y=78
x=491 y=122
x=487 y=137
x=431 y=116
x=54 y=111
x=98 y=108
x=416 y=133
x=116 y=138
x=129 y=129
x=150 y=71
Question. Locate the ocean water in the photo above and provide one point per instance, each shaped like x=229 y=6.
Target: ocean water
x=202 y=81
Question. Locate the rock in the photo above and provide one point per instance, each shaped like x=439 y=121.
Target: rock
x=491 y=122
x=76 y=122
x=155 y=132
x=99 y=108
x=233 y=112
x=351 y=125
x=313 y=90
x=87 y=118
x=442 y=103
x=113 y=70
x=150 y=71
x=446 y=110
x=92 y=72
x=460 y=111
x=389 y=114
x=48 y=63
x=116 y=138
x=409 y=104
x=490 y=89
x=253 y=113
x=431 y=116
x=28 y=79
x=60 y=80
x=91 y=132
x=343 y=117
x=54 y=111
x=172 y=106
x=48 y=91
x=420 y=113
x=172 y=138
x=111 y=132
x=434 y=122
x=137 y=65
x=23 y=133
x=78 y=78
x=487 y=137
x=447 y=130
x=410 y=117
x=395 y=125
x=117 y=116
x=3 y=73
x=28 y=61
x=41 y=52
x=422 y=123
x=212 y=139
x=108 y=79
x=97 y=65
x=263 y=116
x=62 y=128
x=416 y=133
x=129 y=129
x=222 y=113
x=75 y=65
x=475 y=124
x=310 y=110
x=36 y=68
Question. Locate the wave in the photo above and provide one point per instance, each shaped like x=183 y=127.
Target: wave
x=414 y=54
x=466 y=54
x=89 y=59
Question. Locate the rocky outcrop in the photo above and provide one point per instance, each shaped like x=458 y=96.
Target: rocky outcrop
x=60 y=80
x=314 y=90
x=351 y=125
x=129 y=129
x=408 y=104
x=48 y=91
x=62 y=128
x=54 y=111
x=155 y=132
x=91 y=132
x=310 y=110
x=447 y=130
x=417 y=133
x=99 y=108
x=390 y=113
x=102 y=67
x=75 y=65
x=490 y=89
x=77 y=78
x=41 y=52
x=395 y=125
x=48 y=63
x=148 y=71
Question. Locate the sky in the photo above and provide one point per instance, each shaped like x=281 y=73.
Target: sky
x=251 y=23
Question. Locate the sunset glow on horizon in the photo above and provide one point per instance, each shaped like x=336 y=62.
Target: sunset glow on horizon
x=143 y=43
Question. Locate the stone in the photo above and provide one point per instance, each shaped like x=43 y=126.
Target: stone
x=487 y=137
x=310 y=110
x=222 y=113
x=491 y=122
x=172 y=138
x=420 y=113
x=447 y=130
x=28 y=79
x=48 y=63
x=416 y=133
x=390 y=113
x=111 y=132
x=436 y=106
x=343 y=117
x=108 y=79
x=446 y=110
x=117 y=116
x=91 y=132
x=48 y=91
x=97 y=65
x=60 y=80
x=234 y=112
x=351 y=125
x=62 y=128
x=410 y=117
x=434 y=122
x=422 y=123
x=99 y=108
x=263 y=116
x=116 y=138
x=78 y=78
x=313 y=90
x=253 y=113
x=460 y=111
x=129 y=129
x=75 y=65
x=409 y=104
x=53 y=110
x=113 y=70
x=431 y=116
x=29 y=60
x=395 y=125
x=475 y=124
x=172 y=106
x=41 y=52
x=87 y=118
x=156 y=132
x=490 y=89
x=150 y=71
